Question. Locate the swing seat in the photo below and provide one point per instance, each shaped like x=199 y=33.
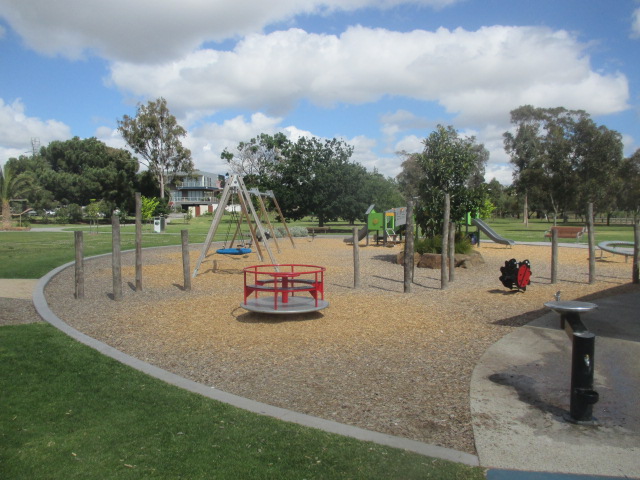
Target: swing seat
x=233 y=251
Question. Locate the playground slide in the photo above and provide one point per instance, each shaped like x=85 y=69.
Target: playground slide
x=491 y=233
x=361 y=234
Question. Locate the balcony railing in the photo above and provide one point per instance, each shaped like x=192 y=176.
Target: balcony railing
x=199 y=199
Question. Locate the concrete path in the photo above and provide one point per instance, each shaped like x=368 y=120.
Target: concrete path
x=17 y=288
x=520 y=395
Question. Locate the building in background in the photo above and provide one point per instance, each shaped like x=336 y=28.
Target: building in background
x=195 y=192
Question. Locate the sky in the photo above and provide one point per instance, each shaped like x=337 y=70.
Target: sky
x=378 y=74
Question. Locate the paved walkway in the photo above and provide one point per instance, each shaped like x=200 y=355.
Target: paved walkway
x=520 y=395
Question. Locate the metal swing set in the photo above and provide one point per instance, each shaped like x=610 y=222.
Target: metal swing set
x=235 y=187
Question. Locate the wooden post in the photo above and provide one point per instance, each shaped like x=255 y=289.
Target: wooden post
x=452 y=251
x=116 y=259
x=408 y=249
x=444 y=270
x=356 y=259
x=138 y=242
x=554 y=256
x=636 y=247
x=592 y=245
x=79 y=281
x=186 y=267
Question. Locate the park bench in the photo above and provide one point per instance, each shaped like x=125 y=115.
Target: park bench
x=567 y=232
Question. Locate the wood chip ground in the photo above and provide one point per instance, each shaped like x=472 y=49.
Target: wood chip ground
x=376 y=358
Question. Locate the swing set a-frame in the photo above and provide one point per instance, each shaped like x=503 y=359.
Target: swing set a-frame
x=235 y=187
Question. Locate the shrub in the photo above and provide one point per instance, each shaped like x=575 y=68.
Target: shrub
x=434 y=244
x=296 y=231
x=71 y=213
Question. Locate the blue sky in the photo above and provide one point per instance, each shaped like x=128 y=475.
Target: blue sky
x=380 y=74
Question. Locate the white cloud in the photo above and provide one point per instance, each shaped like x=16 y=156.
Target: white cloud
x=635 y=23
x=480 y=76
x=410 y=144
x=151 y=30
x=17 y=129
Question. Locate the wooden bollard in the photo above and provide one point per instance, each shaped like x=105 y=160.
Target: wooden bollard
x=408 y=249
x=186 y=269
x=116 y=258
x=79 y=279
x=356 y=259
x=592 y=245
x=138 y=242
x=444 y=264
x=452 y=251
x=635 y=274
x=554 y=255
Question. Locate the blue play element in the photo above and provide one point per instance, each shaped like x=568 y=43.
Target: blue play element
x=233 y=251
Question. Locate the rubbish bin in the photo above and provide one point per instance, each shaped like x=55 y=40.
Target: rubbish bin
x=158 y=224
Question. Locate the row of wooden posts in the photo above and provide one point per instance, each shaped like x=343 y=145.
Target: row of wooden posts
x=447 y=266
x=447 y=273
x=116 y=257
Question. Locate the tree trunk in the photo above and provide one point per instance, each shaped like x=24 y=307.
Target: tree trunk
x=444 y=265
x=161 y=178
x=592 y=244
x=526 y=210
x=6 y=215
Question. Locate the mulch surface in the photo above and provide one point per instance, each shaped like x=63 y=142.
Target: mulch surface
x=378 y=358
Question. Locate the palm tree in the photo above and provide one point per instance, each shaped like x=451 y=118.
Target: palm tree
x=10 y=187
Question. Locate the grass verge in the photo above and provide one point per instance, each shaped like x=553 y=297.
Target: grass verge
x=67 y=411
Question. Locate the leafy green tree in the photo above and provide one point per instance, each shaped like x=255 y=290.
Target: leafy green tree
x=256 y=158
x=629 y=193
x=146 y=184
x=155 y=134
x=448 y=164
x=148 y=207
x=77 y=170
x=11 y=187
x=33 y=166
x=312 y=178
x=410 y=176
x=383 y=192
x=504 y=198
x=563 y=160
x=598 y=160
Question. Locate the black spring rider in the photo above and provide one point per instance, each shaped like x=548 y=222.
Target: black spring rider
x=516 y=275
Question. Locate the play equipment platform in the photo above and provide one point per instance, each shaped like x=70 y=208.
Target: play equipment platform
x=617 y=247
x=284 y=282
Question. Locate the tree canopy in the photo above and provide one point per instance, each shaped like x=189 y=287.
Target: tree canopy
x=155 y=135
x=76 y=171
x=12 y=186
x=563 y=160
x=311 y=176
x=448 y=164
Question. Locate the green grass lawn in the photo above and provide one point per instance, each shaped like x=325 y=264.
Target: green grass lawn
x=32 y=254
x=66 y=411
x=534 y=232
